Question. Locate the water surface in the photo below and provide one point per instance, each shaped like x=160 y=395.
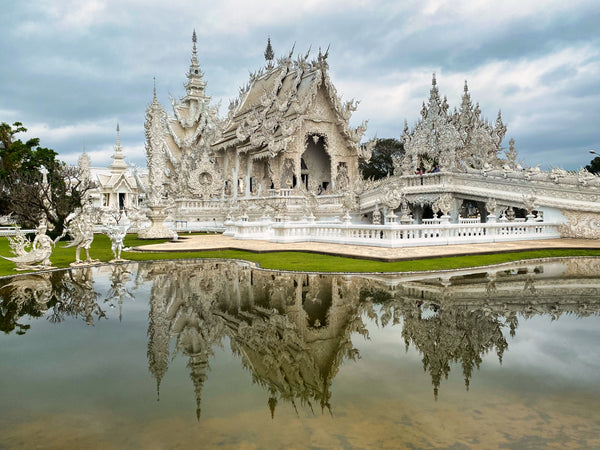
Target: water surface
x=217 y=353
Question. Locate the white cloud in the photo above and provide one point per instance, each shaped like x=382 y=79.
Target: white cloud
x=76 y=63
x=74 y=15
x=477 y=15
x=515 y=87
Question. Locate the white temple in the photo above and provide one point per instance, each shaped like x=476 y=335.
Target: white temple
x=118 y=187
x=283 y=166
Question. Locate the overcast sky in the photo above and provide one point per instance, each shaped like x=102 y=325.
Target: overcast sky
x=72 y=69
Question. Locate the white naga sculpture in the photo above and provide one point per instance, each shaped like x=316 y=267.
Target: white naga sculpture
x=80 y=225
x=35 y=258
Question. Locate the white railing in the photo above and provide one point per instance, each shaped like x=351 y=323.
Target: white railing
x=392 y=235
x=469 y=220
x=12 y=231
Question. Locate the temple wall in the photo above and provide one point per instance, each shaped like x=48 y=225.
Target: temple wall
x=581 y=224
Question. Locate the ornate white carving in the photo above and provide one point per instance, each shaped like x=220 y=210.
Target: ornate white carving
x=443 y=204
x=581 y=225
x=31 y=255
x=445 y=141
x=156 y=148
x=80 y=226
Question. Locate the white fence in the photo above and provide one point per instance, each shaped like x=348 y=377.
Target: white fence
x=391 y=235
x=11 y=231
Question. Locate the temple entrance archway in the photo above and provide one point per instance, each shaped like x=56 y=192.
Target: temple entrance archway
x=315 y=164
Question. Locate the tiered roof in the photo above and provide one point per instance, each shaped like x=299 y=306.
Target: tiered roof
x=273 y=105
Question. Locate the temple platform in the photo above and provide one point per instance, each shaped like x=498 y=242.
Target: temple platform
x=220 y=242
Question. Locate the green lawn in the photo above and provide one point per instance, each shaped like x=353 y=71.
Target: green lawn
x=297 y=261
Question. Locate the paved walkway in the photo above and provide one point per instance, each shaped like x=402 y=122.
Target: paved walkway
x=220 y=242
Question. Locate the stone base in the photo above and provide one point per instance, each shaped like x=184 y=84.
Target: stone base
x=118 y=260
x=34 y=268
x=156 y=230
x=86 y=263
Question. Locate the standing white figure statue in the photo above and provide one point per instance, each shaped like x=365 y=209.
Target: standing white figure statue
x=38 y=257
x=80 y=225
x=116 y=233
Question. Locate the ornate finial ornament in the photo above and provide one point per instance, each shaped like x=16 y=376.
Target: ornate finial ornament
x=269 y=54
x=194 y=50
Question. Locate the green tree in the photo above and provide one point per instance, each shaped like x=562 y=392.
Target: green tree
x=381 y=162
x=594 y=166
x=22 y=189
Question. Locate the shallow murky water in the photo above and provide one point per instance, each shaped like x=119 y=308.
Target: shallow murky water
x=217 y=353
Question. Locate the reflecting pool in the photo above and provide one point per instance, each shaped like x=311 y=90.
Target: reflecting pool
x=219 y=353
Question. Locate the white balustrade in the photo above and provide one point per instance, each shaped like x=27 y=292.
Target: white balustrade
x=469 y=219
x=12 y=231
x=392 y=235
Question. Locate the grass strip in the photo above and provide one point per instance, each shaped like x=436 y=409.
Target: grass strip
x=293 y=261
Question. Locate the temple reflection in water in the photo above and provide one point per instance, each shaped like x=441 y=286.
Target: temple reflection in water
x=292 y=331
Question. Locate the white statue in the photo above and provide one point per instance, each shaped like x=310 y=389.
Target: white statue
x=117 y=233
x=80 y=225
x=38 y=257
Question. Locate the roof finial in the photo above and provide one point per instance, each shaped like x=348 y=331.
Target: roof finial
x=194 y=40
x=466 y=87
x=269 y=54
x=433 y=81
x=118 y=138
x=154 y=78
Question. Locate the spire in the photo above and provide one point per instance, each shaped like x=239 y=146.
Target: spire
x=195 y=85
x=154 y=78
x=118 y=165
x=194 y=65
x=269 y=54
x=434 y=96
x=84 y=164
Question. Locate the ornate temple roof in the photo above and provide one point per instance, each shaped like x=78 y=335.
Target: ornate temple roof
x=452 y=140
x=273 y=105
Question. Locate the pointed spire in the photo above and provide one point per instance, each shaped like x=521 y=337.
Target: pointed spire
x=194 y=66
x=195 y=85
x=269 y=55
x=434 y=95
x=118 y=165
x=84 y=164
x=154 y=91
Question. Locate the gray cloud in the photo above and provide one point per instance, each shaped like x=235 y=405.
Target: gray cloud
x=75 y=69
